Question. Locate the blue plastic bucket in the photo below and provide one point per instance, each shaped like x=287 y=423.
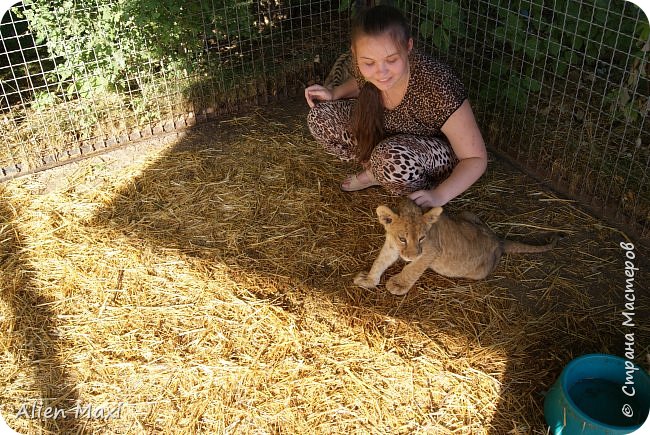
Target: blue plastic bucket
x=598 y=394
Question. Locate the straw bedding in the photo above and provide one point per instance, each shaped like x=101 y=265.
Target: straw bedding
x=204 y=285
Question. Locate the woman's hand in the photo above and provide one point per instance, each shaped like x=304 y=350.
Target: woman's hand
x=349 y=89
x=318 y=92
x=428 y=198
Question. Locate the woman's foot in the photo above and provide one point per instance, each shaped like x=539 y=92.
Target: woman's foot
x=359 y=181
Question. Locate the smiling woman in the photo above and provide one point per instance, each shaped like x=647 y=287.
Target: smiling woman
x=403 y=116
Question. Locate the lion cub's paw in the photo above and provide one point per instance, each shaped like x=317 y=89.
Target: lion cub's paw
x=363 y=281
x=396 y=286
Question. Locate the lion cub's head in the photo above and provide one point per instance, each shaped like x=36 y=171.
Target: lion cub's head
x=408 y=229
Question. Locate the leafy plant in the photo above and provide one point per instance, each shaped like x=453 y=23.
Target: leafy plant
x=102 y=45
x=43 y=101
x=442 y=20
x=535 y=36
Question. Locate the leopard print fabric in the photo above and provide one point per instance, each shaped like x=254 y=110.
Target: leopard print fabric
x=415 y=155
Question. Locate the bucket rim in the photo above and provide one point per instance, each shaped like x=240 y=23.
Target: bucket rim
x=565 y=390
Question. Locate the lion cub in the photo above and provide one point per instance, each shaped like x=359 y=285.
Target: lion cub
x=454 y=246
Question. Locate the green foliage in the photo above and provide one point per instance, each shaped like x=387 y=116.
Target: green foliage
x=539 y=36
x=101 y=45
x=344 y=5
x=531 y=38
x=43 y=101
x=442 y=20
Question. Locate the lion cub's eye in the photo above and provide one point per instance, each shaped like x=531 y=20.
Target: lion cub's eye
x=421 y=239
x=402 y=240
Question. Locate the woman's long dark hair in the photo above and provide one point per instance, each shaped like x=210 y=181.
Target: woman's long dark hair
x=367 y=120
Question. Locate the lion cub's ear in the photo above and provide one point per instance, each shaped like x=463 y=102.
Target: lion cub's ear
x=432 y=215
x=386 y=215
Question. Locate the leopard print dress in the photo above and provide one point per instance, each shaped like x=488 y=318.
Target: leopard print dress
x=414 y=155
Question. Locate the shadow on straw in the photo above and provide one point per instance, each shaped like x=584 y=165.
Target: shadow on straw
x=33 y=340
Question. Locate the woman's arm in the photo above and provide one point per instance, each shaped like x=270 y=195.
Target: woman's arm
x=348 y=89
x=467 y=142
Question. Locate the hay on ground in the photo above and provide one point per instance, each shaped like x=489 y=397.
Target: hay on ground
x=206 y=287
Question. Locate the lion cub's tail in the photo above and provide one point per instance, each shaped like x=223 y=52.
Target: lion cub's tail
x=512 y=247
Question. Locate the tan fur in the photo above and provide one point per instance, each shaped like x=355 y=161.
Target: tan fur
x=455 y=246
x=340 y=72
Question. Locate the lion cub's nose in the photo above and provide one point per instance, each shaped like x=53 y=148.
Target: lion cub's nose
x=412 y=251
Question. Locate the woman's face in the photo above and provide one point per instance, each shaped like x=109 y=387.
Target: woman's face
x=381 y=61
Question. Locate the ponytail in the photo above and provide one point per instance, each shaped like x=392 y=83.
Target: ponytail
x=367 y=121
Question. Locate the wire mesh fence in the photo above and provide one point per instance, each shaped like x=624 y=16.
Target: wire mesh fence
x=561 y=86
x=81 y=76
